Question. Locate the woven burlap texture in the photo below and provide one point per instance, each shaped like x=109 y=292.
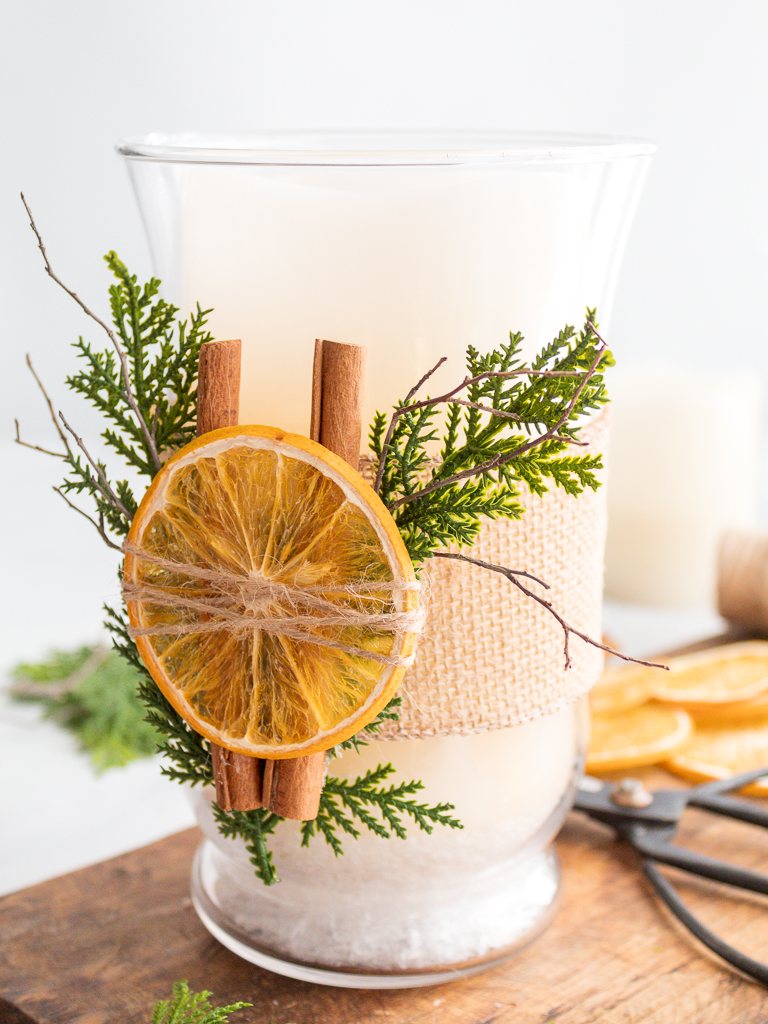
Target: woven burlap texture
x=490 y=657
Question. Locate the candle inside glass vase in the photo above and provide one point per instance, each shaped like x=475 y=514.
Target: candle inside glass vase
x=414 y=247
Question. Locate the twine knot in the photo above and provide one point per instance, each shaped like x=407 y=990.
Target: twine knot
x=331 y=615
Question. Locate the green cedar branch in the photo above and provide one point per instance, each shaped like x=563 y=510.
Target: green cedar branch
x=186 y=1007
x=365 y=794
x=551 y=433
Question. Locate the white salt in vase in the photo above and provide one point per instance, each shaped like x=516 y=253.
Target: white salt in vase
x=414 y=246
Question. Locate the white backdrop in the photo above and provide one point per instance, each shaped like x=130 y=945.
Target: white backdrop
x=690 y=75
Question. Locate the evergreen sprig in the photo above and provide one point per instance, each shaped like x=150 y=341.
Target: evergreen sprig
x=367 y=791
x=162 y=356
x=512 y=426
x=252 y=827
x=186 y=1007
x=92 y=693
x=187 y=753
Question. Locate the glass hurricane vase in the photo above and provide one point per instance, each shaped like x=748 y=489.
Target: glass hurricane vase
x=416 y=246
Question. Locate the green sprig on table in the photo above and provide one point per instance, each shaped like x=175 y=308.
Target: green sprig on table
x=91 y=692
x=186 y=1007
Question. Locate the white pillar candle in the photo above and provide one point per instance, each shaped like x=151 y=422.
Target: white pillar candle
x=682 y=469
x=413 y=263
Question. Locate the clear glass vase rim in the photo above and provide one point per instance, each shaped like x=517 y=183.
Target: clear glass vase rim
x=382 y=148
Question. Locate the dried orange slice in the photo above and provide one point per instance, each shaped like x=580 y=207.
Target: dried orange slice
x=752 y=710
x=621 y=689
x=641 y=735
x=263 y=575
x=717 y=752
x=719 y=676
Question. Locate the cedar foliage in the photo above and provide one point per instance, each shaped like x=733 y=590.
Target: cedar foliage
x=163 y=367
x=510 y=437
x=186 y=1007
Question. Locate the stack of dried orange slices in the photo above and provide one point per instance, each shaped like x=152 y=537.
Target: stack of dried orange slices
x=706 y=718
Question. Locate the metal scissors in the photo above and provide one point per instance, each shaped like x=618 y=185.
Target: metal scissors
x=648 y=822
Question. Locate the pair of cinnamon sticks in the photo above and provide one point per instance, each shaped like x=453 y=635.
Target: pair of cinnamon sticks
x=290 y=787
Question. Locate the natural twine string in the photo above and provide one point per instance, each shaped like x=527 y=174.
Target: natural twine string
x=241 y=603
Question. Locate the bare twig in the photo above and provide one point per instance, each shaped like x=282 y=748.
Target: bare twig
x=473 y=405
x=49 y=403
x=36 y=447
x=488 y=375
x=102 y=484
x=99 y=526
x=549 y=435
x=489 y=565
x=512 y=575
x=121 y=354
x=67 y=453
x=396 y=415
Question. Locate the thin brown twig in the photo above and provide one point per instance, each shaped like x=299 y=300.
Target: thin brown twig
x=99 y=526
x=121 y=354
x=49 y=403
x=395 y=417
x=472 y=405
x=551 y=434
x=102 y=483
x=489 y=565
x=487 y=375
x=512 y=575
x=36 y=447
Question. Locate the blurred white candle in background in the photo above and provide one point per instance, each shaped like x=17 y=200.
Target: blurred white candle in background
x=683 y=467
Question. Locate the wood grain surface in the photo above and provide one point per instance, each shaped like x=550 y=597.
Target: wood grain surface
x=103 y=944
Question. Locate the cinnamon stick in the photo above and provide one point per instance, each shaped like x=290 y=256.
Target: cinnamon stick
x=238 y=777
x=218 y=385
x=292 y=787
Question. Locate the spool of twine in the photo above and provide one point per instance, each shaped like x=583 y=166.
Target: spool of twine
x=742 y=578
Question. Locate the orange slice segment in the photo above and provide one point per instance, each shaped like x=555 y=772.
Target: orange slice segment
x=621 y=689
x=641 y=735
x=752 y=710
x=719 y=676
x=253 y=526
x=718 y=752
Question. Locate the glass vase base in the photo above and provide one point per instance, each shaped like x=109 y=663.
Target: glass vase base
x=544 y=867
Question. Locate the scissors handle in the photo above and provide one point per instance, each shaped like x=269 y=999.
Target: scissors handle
x=739 y=960
x=655 y=846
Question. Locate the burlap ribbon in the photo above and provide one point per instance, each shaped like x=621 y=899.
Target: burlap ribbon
x=490 y=657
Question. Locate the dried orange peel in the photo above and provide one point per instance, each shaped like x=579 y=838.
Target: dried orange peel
x=622 y=689
x=254 y=506
x=638 y=736
x=718 y=752
x=720 y=675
